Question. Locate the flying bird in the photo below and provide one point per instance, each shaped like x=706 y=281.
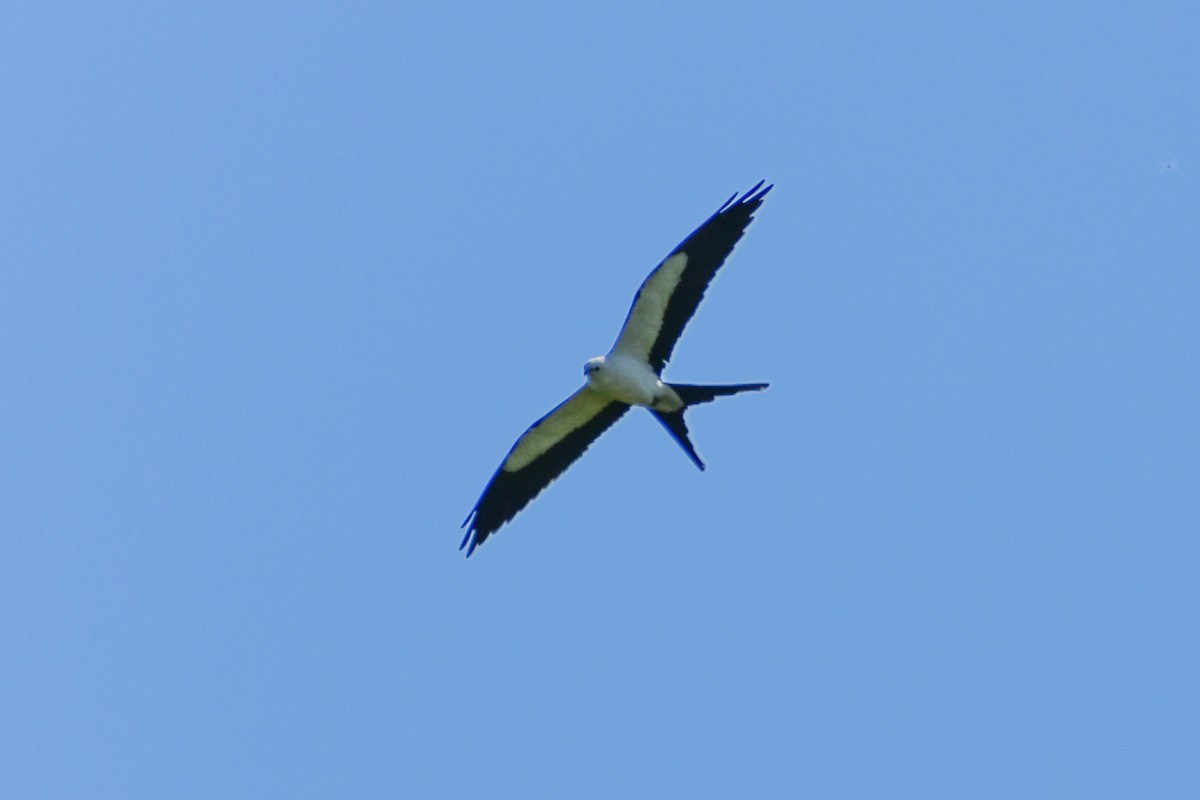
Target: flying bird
x=630 y=375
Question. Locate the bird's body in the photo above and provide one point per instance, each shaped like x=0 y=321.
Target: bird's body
x=630 y=380
x=629 y=375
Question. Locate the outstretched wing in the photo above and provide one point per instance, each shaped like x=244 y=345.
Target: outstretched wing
x=543 y=452
x=668 y=298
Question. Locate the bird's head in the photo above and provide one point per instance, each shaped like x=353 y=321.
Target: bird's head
x=592 y=365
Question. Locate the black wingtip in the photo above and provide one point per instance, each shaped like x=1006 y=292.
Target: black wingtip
x=755 y=195
x=472 y=536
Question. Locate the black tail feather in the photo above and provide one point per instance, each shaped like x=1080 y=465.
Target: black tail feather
x=692 y=395
x=673 y=422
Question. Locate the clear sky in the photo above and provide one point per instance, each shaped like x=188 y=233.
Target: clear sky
x=280 y=284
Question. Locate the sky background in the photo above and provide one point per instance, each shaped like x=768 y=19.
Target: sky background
x=280 y=284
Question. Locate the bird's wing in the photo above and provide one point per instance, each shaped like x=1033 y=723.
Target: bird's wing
x=543 y=452
x=668 y=298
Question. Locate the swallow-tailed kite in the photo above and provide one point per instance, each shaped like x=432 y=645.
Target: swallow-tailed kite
x=628 y=376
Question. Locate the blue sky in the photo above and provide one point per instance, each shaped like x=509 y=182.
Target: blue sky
x=281 y=283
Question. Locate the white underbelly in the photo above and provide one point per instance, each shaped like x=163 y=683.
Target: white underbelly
x=632 y=381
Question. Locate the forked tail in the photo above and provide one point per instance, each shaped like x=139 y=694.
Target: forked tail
x=693 y=395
